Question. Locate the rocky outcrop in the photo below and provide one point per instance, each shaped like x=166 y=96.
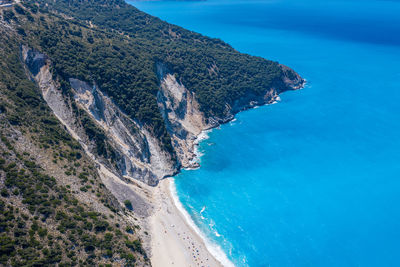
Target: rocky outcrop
x=183 y=118
x=290 y=80
x=139 y=155
x=39 y=70
x=185 y=121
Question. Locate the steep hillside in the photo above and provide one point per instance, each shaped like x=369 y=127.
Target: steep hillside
x=126 y=56
x=210 y=68
x=94 y=97
x=54 y=207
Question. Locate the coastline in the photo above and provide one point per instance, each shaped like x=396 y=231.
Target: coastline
x=176 y=240
x=203 y=135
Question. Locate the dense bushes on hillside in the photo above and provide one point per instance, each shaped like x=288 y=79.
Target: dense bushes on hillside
x=50 y=226
x=212 y=69
x=116 y=47
x=120 y=53
x=43 y=220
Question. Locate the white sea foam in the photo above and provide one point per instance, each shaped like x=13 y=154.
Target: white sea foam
x=201 y=212
x=201 y=137
x=213 y=248
x=232 y=122
x=306 y=84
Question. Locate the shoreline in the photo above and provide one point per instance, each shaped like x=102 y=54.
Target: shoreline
x=203 y=135
x=171 y=224
x=215 y=250
x=176 y=240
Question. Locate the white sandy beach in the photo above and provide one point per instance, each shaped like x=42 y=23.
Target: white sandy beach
x=173 y=241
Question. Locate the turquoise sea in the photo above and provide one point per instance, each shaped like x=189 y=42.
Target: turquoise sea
x=315 y=179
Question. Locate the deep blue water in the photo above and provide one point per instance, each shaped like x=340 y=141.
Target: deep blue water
x=315 y=179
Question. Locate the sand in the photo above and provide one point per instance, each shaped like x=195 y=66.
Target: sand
x=173 y=241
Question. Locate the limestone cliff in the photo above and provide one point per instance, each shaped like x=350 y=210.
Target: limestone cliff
x=182 y=116
x=185 y=121
x=139 y=155
x=124 y=146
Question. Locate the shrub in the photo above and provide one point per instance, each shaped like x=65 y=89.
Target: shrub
x=4 y=193
x=128 y=204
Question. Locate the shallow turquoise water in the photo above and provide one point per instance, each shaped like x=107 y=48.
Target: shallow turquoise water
x=315 y=179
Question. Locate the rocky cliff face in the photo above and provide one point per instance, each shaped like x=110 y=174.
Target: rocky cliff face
x=290 y=80
x=183 y=118
x=139 y=155
x=185 y=121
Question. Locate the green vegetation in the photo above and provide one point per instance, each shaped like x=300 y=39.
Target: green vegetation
x=118 y=48
x=47 y=225
x=128 y=204
x=44 y=222
x=121 y=52
x=212 y=69
x=44 y=219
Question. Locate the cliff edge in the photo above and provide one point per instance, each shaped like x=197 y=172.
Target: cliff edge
x=185 y=120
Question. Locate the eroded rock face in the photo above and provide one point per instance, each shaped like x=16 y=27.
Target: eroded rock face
x=185 y=121
x=291 y=79
x=183 y=118
x=139 y=155
x=39 y=70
